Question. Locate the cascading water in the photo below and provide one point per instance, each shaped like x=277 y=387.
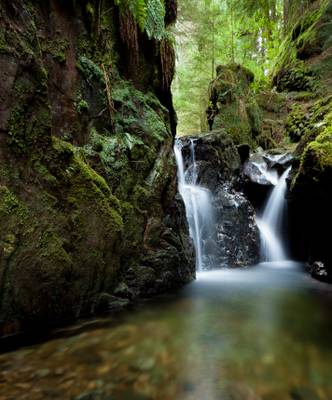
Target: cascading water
x=197 y=202
x=269 y=224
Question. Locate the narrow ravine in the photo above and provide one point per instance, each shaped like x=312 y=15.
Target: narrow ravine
x=165 y=200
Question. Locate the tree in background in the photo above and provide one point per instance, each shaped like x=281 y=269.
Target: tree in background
x=212 y=32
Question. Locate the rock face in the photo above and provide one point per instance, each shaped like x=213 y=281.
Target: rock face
x=88 y=203
x=236 y=241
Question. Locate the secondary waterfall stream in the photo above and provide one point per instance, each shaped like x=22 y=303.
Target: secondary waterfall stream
x=270 y=224
x=197 y=200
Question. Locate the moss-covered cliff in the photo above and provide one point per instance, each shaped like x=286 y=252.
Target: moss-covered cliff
x=88 y=204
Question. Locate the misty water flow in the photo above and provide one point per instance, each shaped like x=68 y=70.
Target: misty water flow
x=270 y=223
x=197 y=200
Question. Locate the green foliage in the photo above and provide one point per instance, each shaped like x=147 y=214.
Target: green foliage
x=316 y=159
x=149 y=15
x=211 y=32
x=82 y=106
x=296 y=122
x=289 y=72
x=90 y=70
x=56 y=47
x=141 y=113
x=154 y=23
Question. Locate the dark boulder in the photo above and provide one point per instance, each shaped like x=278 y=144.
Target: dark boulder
x=319 y=272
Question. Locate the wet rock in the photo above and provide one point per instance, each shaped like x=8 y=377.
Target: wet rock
x=319 y=272
x=105 y=302
x=237 y=233
x=216 y=155
x=257 y=170
x=311 y=192
x=244 y=152
x=263 y=167
x=123 y=291
x=279 y=161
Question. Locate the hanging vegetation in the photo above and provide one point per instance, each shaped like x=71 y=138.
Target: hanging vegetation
x=149 y=15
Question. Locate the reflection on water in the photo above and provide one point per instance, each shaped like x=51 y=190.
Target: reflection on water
x=264 y=333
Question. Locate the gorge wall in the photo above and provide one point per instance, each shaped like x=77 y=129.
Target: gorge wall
x=89 y=215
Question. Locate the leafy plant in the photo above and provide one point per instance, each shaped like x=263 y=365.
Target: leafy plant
x=148 y=14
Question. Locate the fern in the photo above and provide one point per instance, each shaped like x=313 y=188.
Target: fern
x=154 y=24
x=140 y=13
x=148 y=14
x=129 y=141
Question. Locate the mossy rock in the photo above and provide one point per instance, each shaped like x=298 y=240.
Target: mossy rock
x=297 y=79
x=303 y=63
x=232 y=105
x=56 y=242
x=296 y=123
x=316 y=160
x=272 y=101
x=308 y=121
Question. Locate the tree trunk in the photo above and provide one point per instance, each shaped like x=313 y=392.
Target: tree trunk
x=286 y=16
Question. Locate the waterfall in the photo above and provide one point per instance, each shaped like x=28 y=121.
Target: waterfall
x=197 y=202
x=270 y=223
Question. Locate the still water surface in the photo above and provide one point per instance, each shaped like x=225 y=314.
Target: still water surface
x=263 y=333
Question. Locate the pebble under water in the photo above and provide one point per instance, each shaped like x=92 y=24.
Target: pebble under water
x=262 y=333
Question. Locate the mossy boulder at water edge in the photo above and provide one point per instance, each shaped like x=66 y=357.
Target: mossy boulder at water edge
x=89 y=211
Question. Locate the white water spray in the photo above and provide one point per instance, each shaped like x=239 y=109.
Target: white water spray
x=269 y=224
x=197 y=201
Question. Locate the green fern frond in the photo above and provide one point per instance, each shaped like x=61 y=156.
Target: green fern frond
x=140 y=13
x=148 y=14
x=155 y=19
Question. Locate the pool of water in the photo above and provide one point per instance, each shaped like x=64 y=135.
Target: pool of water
x=262 y=333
